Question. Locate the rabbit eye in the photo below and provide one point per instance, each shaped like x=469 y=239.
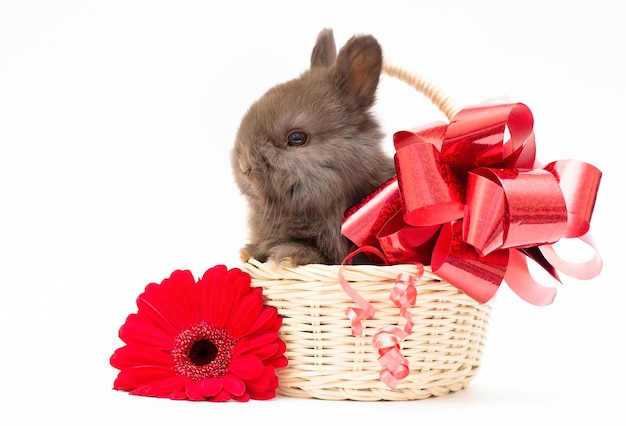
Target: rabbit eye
x=297 y=138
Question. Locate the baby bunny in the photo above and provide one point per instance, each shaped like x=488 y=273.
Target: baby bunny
x=309 y=149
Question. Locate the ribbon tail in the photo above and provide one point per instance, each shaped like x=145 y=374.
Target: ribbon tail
x=520 y=281
x=367 y=310
x=537 y=255
x=582 y=271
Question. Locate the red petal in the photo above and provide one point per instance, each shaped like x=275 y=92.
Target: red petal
x=261 y=384
x=233 y=384
x=250 y=343
x=246 y=367
x=265 y=320
x=265 y=386
x=246 y=312
x=227 y=291
x=282 y=347
x=263 y=396
x=179 y=295
x=209 y=386
x=163 y=388
x=137 y=355
x=131 y=378
x=266 y=351
x=279 y=361
x=178 y=395
x=214 y=274
x=221 y=303
x=194 y=395
x=222 y=396
x=173 y=299
x=136 y=331
x=240 y=280
x=278 y=322
x=205 y=289
x=245 y=397
x=151 y=314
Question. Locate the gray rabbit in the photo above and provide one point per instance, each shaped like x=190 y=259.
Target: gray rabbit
x=309 y=149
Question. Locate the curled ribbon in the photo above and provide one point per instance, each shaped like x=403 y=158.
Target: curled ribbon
x=476 y=206
x=385 y=341
x=395 y=366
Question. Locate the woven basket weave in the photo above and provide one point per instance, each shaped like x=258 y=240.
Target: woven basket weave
x=327 y=362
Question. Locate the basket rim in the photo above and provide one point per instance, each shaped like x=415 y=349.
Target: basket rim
x=272 y=269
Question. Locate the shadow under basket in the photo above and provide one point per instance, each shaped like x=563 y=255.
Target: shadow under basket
x=327 y=362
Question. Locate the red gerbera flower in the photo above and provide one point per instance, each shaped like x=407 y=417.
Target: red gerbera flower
x=213 y=339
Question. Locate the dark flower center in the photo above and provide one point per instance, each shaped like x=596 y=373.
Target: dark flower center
x=202 y=352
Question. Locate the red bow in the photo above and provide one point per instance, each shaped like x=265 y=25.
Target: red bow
x=472 y=202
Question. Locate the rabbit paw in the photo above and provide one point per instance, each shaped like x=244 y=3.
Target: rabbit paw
x=295 y=254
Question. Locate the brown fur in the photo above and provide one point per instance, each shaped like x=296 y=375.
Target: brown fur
x=297 y=195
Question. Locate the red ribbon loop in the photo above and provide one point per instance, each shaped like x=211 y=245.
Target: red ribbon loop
x=431 y=192
x=507 y=216
x=469 y=200
x=476 y=137
x=579 y=183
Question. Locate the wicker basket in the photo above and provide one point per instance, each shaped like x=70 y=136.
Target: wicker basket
x=327 y=362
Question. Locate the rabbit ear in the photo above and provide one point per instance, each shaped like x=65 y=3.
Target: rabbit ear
x=324 y=52
x=357 y=69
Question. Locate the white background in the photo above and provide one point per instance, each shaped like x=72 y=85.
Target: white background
x=116 y=123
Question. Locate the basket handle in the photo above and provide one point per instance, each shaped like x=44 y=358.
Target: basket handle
x=425 y=86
